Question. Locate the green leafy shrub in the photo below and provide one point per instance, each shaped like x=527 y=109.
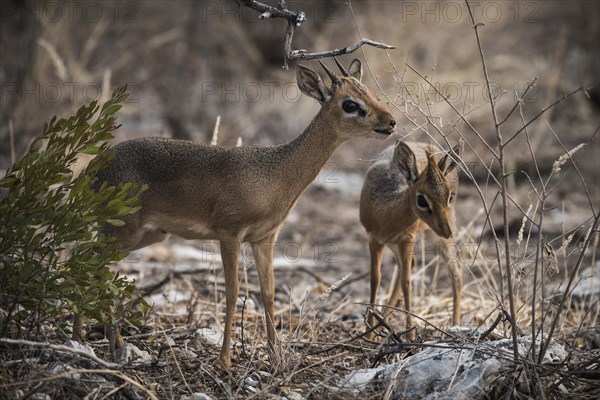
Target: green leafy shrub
x=54 y=256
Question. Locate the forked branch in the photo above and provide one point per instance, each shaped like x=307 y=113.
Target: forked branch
x=295 y=19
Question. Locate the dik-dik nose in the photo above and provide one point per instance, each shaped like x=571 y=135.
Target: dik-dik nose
x=446 y=232
x=391 y=123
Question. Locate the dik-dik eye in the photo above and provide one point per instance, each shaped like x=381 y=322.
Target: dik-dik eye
x=422 y=203
x=352 y=107
x=451 y=199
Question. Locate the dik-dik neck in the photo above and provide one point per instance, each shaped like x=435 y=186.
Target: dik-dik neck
x=400 y=211
x=303 y=157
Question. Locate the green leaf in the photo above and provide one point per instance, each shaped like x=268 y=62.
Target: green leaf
x=115 y=222
x=93 y=149
x=112 y=109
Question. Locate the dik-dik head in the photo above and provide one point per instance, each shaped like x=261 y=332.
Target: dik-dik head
x=350 y=105
x=431 y=190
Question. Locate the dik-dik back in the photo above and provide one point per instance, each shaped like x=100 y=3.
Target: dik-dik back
x=196 y=191
x=411 y=187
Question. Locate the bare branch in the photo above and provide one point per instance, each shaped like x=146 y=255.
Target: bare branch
x=559 y=100
x=58 y=347
x=519 y=100
x=486 y=144
x=281 y=11
x=295 y=19
x=303 y=55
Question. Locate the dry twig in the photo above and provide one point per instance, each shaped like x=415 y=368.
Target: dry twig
x=295 y=20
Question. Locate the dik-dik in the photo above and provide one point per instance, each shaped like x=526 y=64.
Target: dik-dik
x=412 y=187
x=242 y=194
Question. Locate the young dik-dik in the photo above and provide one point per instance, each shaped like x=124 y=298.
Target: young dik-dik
x=242 y=194
x=412 y=187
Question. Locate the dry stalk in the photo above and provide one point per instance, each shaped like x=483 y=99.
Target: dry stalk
x=503 y=188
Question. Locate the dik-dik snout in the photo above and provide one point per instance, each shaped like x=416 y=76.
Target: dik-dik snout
x=430 y=186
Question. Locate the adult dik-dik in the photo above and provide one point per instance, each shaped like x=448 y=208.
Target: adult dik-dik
x=411 y=187
x=242 y=194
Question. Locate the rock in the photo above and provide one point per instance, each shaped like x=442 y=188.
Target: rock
x=130 y=353
x=251 y=382
x=474 y=334
x=294 y=396
x=288 y=394
x=445 y=372
x=247 y=303
x=212 y=336
x=79 y=346
x=197 y=396
x=20 y=394
x=264 y=374
x=170 y=342
x=63 y=369
x=251 y=385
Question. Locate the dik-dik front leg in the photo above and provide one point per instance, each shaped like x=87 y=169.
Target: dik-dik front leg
x=403 y=251
x=449 y=251
x=451 y=258
x=229 y=253
x=263 y=257
x=376 y=251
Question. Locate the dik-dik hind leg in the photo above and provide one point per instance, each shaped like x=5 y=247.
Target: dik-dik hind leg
x=77 y=334
x=229 y=253
x=404 y=257
x=449 y=252
x=128 y=238
x=376 y=251
x=112 y=331
x=263 y=257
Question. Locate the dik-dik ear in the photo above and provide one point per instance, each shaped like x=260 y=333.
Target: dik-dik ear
x=449 y=162
x=355 y=69
x=311 y=84
x=406 y=161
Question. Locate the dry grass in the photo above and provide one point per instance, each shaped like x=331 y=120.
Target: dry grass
x=321 y=339
x=321 y=331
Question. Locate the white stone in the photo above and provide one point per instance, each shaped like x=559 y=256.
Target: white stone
x=79 y=346
x=445 y=372
x=130 y=353
x=197 y=396
x=212 y=336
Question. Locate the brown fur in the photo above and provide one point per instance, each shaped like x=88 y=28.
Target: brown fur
x=391 y=217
